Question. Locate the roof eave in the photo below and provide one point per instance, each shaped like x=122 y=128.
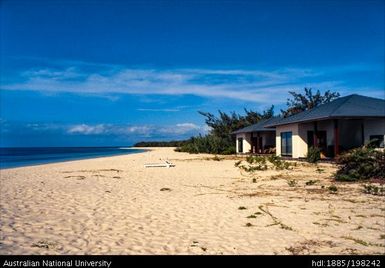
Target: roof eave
x=325 y=118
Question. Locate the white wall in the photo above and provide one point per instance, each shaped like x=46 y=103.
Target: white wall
x=349 y=130
x=296 y=141
x=246 y=142
x=299 y=136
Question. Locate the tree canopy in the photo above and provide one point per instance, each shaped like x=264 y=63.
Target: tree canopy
x=302 y=102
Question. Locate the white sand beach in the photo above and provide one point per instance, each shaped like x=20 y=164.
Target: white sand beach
x=114 y=205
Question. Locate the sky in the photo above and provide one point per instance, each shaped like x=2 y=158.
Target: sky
x=112 y=73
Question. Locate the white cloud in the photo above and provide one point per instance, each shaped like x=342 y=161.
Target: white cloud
x=87 y=129
x=129 y=130
x=260 y=86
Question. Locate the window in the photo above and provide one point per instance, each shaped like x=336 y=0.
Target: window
x=377 y=141
x=240 y=145
x=286 y=144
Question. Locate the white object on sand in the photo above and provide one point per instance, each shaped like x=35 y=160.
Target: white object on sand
x=166 y=164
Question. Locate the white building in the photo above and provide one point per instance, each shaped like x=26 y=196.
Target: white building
x=339 y=125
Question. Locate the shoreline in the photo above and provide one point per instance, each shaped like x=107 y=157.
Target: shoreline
x=80 y=158
x=114 y=205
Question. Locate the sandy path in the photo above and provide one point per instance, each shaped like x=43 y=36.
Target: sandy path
x=114 y=205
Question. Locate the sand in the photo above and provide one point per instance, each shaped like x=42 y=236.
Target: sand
x=114 y=205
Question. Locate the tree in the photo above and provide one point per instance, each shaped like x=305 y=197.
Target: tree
x=303 y=102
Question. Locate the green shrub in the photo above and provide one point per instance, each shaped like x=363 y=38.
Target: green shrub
x=278 y=163
x=374 y=190
x=260 y=163
x=292 y=183
x=311 y=182
x=255 y=163
x=361 y=164
x=313 y=155
x=207 y=144
x=332 y=189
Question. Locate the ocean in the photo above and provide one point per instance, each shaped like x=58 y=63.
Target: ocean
x=19 y=157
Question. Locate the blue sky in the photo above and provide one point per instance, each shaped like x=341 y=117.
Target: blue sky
x=99 y=73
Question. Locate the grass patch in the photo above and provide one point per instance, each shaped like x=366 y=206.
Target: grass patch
x=374 y=190
x=333 y=189
x=356 y=240
x=292 y=183
x=311 y=182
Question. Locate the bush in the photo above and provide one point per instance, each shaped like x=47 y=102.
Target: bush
x=374 y=190
x=333 y=189
x=361 y=164
x=313 y=155
x=278 y=163
x=207 y=144
x=260 y=163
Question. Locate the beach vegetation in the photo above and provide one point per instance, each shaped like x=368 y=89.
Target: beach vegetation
x=311 y=182
x=278 y=163
x=362 y=163
x=333 y=189
x=373 y=189
x=261 y=163
x=292 y=183
x=313 y=155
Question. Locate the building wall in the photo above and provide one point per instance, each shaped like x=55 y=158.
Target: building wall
x=296 y=140
x=350 y=133
x=373 y=127
x=326 y=125
x=246 y=140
